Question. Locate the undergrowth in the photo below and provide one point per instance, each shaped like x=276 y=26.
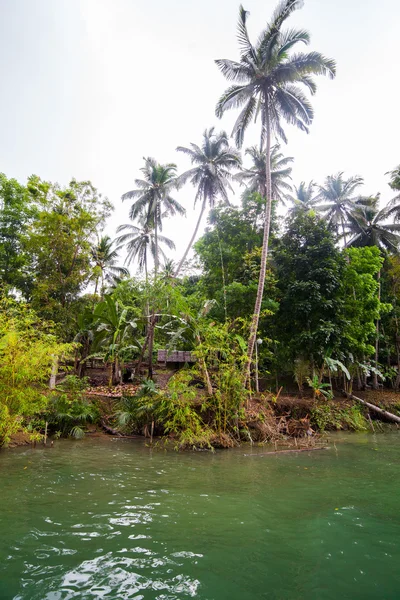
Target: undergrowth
x=330 y=416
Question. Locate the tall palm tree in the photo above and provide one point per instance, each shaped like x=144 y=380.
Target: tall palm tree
x=168 y=272
x=153 y=201
x=255 y=176
x=370 y=226
x=105 y=256
x=140 y=243
x=338 y=196
x=268 y=81
x=211 y=175
x=302 y=199
x=152 y=198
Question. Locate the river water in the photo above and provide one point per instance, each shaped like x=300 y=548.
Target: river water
x=107 y=518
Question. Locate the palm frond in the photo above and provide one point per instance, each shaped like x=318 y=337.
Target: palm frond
x=246 y=47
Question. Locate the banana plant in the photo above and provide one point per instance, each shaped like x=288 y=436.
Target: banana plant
x=114 y=335
x=320 y=389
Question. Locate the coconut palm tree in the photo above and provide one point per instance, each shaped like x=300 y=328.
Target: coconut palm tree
x=211 y=175
x=303 y=197
x=337 y=195
x=152 y=198
x=105 y=256
x=370 y=226
x=255 y=177
x=140 y=243
x=153 y=201
x=168 y=272
x=268 y=81
x=394 y=178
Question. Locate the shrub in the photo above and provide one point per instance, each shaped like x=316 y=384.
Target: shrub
x=28 y=349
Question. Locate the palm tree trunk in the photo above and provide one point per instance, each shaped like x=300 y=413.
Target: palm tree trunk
x=140 y=360
x=146 y=279
x=146 y=275
x=156 y=243
x=152 y=320
x=344 y=233
x=203 y=207
x=151 y=343
x=264 y=254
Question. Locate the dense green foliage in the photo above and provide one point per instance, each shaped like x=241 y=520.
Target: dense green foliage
x=28 y=348
x=309 y=270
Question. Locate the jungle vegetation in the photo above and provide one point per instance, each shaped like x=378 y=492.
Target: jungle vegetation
x=312 y=298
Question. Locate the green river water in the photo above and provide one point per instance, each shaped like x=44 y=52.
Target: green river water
x=106 y=518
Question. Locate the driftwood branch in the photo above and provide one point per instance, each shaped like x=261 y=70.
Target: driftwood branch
x=288 y=451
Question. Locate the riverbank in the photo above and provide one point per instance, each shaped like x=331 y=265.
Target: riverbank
x=285 y=421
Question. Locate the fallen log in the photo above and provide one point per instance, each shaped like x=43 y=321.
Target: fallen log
x=287 y=451
x=376 y=409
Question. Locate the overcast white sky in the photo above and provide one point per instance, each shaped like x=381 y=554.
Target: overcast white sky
x=89 y=87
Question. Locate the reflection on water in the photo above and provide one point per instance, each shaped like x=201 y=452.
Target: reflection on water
x=112 y=519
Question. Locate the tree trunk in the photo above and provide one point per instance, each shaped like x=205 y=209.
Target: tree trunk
x=116 y=379
x=153 y=319
x=144 y=348
x=397 y=346
x=53 y=375
x=375 y=384
x=146 y=276
x=359 y=382
x=264 y=254
x=257 y=384
x=102 y=285
x=110 y=378
x=82 y=360
x=203 y=207
x=151 y=343
x=344 y=233
x=156 y=242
